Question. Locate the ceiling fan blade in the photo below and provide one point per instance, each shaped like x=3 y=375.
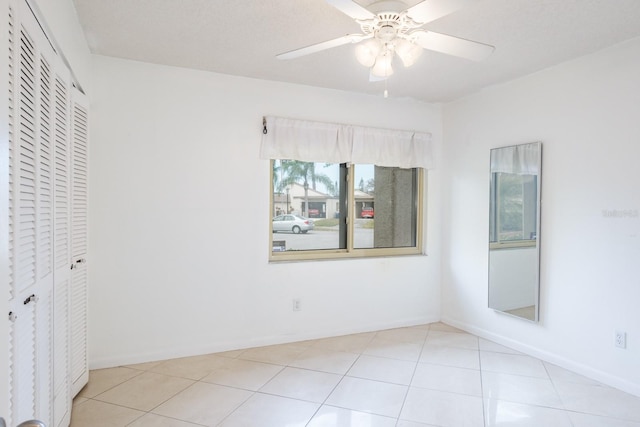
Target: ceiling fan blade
x=351 y=9
x=350 y=38
x=430 y=10
x=450 y=45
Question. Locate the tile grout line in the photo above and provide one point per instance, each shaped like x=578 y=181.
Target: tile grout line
x=484 y=411
x=415 y=368
x=339 y=382
x=553 y=383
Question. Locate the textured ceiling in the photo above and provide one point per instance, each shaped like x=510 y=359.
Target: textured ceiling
x=242 y=37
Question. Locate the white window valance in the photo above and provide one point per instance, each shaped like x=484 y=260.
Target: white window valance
x=518 y=159
x=311 y=141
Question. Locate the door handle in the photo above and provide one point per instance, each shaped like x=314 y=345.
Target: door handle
x=30 y=298
x=78 y=262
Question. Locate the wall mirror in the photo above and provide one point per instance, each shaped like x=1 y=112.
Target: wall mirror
x=514 y=230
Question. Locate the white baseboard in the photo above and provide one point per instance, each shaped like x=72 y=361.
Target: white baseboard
x=547 y=356
x=110 y=361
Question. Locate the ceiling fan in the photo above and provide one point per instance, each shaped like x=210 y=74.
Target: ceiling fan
x=390 y=29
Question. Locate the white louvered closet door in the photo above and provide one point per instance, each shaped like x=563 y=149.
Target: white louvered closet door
x=48 y=141
x=31 y=223
x=79 y=240
x=62 y=253
x=30 y=217
x=50 y=68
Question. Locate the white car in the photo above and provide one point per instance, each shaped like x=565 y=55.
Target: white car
x=292 y=223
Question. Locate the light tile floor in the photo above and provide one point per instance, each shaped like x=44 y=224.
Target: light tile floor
x=430 y=375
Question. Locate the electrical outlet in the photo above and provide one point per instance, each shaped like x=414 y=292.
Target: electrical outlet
x=296 y=304
x=621 y=339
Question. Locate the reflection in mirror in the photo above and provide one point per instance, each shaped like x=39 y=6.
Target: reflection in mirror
x=514 y=230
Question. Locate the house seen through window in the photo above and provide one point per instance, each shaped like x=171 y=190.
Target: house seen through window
x=513 y=212
x=331 y=210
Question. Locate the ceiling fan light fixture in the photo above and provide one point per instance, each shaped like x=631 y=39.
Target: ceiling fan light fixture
x=382 y=67
x=368 y=51
x=408 y=52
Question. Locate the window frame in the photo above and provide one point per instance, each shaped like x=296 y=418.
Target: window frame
x=496 y=219
x=350 y=252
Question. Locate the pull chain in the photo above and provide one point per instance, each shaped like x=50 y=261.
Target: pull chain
x=264 y=125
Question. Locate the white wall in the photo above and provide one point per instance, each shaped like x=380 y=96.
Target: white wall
x=587 y=114
x=179 y=220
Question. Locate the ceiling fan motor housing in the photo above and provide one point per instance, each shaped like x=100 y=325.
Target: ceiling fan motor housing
x=386 y=25
x=386 y=33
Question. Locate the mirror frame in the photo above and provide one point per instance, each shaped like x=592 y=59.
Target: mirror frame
x=536 y=315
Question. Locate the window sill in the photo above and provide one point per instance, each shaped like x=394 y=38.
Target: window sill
x=339 y=254
x=513 y=244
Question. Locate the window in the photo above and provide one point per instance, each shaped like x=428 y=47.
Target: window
x=513 y=213
x=343 y=190
x=513 y=209
x=327 y=210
